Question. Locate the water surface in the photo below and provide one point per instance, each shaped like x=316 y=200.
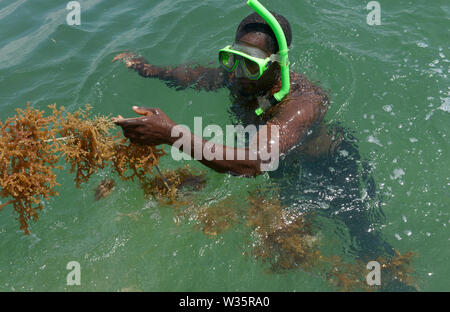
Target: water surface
x=388 y=84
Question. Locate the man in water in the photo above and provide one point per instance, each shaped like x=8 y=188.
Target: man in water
x=320 y=167
x=298 y=116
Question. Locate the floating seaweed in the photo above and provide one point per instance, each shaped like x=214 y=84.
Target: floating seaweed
x=136 y=159
x=347 y=276
x=352 y=276
x=399 y=268
x=104 y=189
x=27 y=162
x=215 y=219
x=85 y=143
x=31 y=145
x=287 y=240
x=285 y=237
x=177 y=180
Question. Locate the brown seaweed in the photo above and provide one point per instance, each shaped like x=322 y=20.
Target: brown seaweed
x=214 y=219
x=285 y=237
x=104 y=189
x=287 y=240
x=27 y=162
x=32 y=144
x=183 y=178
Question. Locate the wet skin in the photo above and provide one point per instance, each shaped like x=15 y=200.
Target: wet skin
x=302 y=110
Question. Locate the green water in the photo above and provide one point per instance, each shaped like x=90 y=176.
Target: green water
x=388 y=83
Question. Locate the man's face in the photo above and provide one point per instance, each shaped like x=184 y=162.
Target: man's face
x=268 y=79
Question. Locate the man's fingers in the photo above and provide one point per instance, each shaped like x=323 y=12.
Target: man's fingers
x=122 y=56
x=129 y=122
x=147 y=111
x=119 y=56
x=116 y=119
x=119 y=120
x=134 y=122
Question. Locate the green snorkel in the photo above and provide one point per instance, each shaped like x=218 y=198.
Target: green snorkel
x=283 y=50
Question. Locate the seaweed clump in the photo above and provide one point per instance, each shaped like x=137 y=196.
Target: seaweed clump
x=352 y=276
x=135 y=158
x=399 y=268
x=213 y=220
x=286 y=240
x=167 y=186
x=284 y=237
x=104 y=189
x=347 y=276
x=27 y=163
x=84 y=142
x=88 y=147
x=32 y=144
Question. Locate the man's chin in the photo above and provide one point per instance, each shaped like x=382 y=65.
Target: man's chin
x=246 y=89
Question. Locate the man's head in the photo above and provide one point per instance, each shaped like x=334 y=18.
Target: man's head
x=254 y=31
x=256 y=26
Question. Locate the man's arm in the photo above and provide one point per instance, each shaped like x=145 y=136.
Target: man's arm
x=282 y=133
x=249 y=164
x=295 y=116
x=181 y=77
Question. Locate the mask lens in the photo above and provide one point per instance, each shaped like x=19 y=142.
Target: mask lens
x=227 y=60
x=252 y=67
x=249 y=69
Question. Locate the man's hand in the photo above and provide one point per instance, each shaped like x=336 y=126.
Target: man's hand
x=138 y=63
x=128 y=58
x=153 y=129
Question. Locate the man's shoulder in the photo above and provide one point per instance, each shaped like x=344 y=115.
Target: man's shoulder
x=305 y=92
x=302 y=86
x=305 y=99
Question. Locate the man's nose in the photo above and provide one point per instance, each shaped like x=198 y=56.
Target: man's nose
x=239 y=72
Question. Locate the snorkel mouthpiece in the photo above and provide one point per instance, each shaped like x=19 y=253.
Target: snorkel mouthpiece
x=283 y=49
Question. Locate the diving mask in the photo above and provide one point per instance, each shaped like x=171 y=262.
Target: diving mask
x=251 y=62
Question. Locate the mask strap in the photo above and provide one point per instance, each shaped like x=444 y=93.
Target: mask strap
x=264 y=104
x=275 y=58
